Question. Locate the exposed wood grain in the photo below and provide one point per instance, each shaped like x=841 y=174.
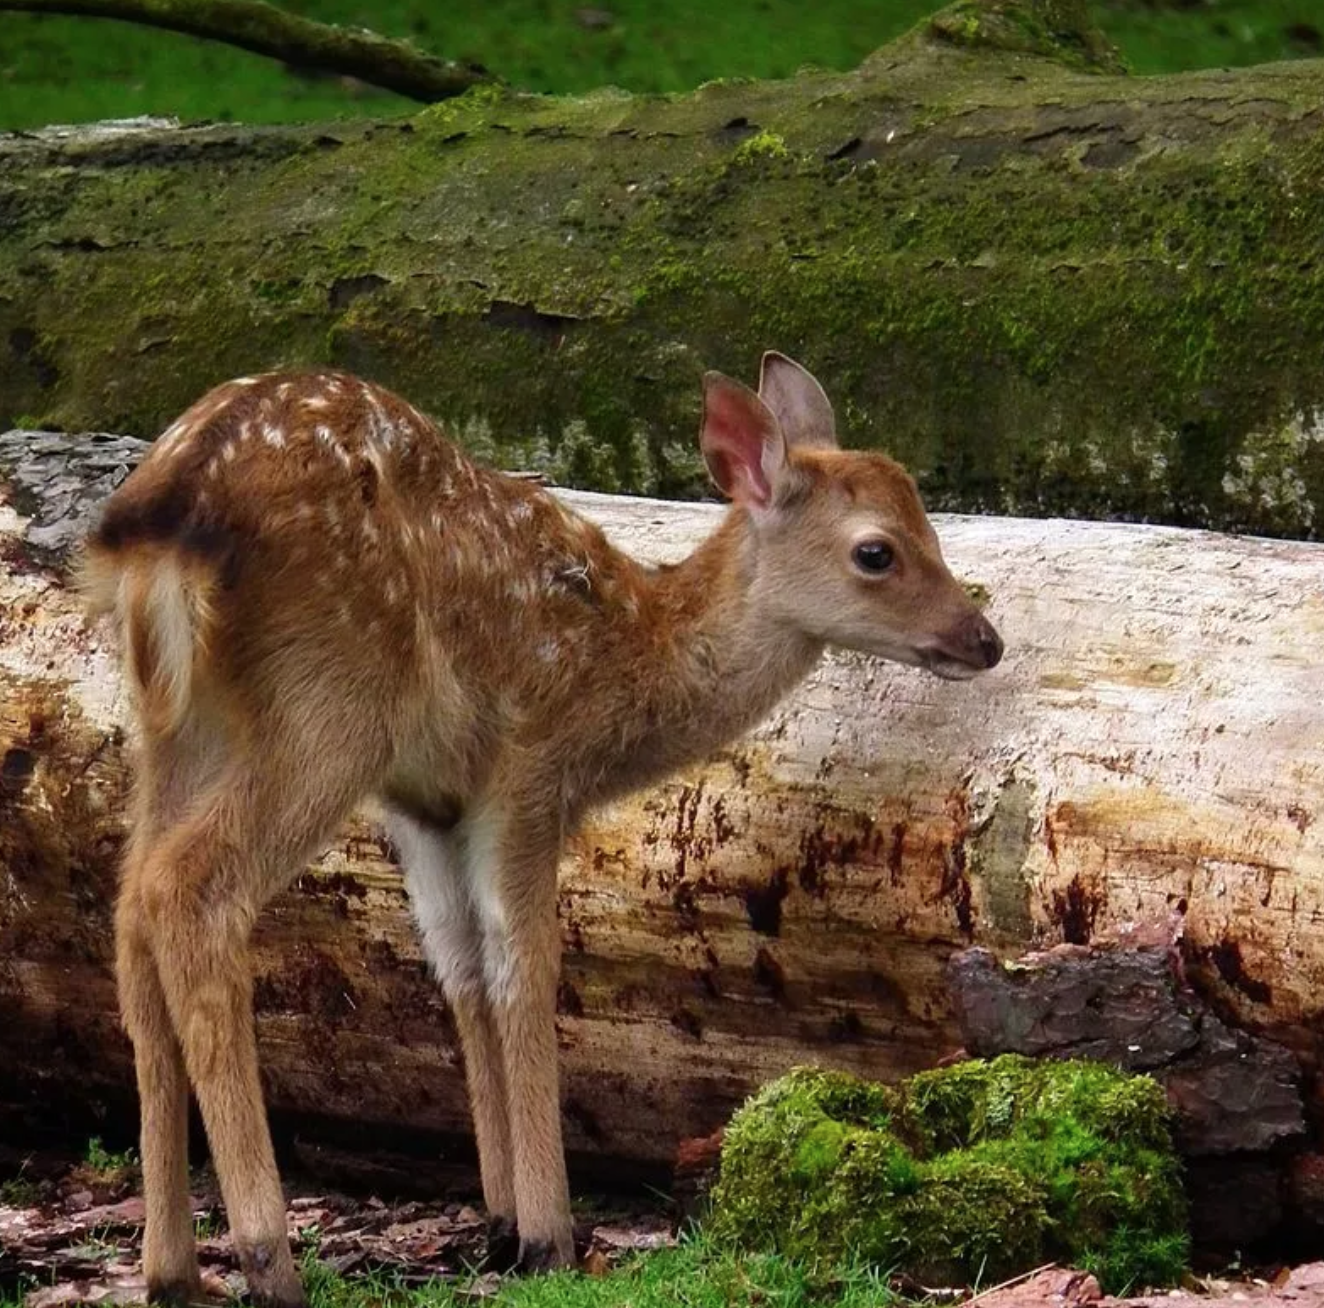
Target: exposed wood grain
x=1153 y=743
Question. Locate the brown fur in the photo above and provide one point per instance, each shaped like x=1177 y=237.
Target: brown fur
x=320 y=600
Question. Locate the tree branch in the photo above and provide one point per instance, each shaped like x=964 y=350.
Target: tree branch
x=263 y=29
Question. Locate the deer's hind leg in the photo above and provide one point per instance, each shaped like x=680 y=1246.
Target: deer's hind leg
x=171 y=776
x=170 y=1261
x=199 y=892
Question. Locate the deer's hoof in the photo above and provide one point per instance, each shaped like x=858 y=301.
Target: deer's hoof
x=543 y=1256
x=178 y=1293
x=503 y=1245
x=272 y=1279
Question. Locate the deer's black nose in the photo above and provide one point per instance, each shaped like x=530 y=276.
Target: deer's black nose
x=990 y=644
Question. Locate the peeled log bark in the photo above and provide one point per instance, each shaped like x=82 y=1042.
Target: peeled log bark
x=1152 y=744
x=1045 y=288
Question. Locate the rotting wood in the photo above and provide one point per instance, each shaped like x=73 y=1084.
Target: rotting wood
x=1154 y=743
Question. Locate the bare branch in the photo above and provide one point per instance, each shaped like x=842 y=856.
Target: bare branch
x=263 y=29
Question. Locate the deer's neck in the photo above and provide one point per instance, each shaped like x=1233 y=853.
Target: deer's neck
x=712 y=660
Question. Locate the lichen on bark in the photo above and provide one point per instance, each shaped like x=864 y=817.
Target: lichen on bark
x=1048 y=289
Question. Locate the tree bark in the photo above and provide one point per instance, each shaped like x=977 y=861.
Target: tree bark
x=265 y=30
x=1151 y=749
x=1045 y=287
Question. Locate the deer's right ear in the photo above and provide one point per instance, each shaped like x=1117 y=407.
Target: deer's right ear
x=742 y=443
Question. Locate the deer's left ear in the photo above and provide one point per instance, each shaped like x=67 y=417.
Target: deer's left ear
x=741 y=441
x=803 y=411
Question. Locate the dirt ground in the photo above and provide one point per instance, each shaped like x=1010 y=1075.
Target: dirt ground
x=78 y=1238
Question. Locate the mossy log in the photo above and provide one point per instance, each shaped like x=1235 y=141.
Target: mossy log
x=1047 y=286
x=1151 y=748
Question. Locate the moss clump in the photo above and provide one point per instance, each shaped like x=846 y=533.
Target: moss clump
x=762 y=145
x=981 y=1170
x=1054 y=29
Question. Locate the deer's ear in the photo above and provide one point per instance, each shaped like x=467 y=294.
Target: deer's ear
x=803 y=409
x=742 y=443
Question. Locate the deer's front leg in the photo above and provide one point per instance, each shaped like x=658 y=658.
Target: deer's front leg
x=437 y=878
x=513 y=874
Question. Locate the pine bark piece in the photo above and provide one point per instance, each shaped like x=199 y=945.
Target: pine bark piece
x=1232 y=1092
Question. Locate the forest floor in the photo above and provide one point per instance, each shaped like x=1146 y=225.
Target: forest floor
x=76 y=1238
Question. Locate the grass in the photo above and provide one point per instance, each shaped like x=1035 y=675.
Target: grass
x=55 y=69
x=104 y=1161
x=693 y=1275
x=19 y=1191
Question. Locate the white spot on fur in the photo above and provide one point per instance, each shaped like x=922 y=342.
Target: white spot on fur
x=229 y=452
x=549 y=650
x=328 y=440
x=436 y=519
x=173 y=436
x=383 y=430
x=522 y=511
x=318 y=402
x=273 y=436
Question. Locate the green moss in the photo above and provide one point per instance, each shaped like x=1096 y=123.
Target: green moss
x=1038 y=297
x=982 y=1169
x=1061 y=30
x=762 y=145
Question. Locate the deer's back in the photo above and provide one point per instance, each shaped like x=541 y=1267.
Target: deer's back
x=354 y=546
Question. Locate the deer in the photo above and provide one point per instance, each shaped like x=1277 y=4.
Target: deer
x=320 y=602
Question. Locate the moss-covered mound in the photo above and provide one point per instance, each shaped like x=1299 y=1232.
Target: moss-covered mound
x=976 y=1171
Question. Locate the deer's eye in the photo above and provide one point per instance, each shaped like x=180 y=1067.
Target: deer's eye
x=873 y=557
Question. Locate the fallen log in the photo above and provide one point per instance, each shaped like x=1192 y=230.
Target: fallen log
x=1153 y=746
x=1045 y=286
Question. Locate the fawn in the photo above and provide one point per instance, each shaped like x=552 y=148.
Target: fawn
x=320 y=600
